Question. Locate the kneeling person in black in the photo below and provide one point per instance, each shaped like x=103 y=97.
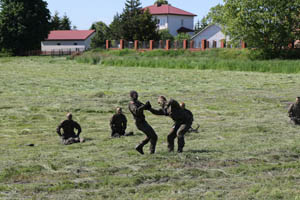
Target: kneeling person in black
x=68 y=136
x=118 y=123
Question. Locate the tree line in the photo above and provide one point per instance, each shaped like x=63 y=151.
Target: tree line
x=268 y=25
x=24 y=24
x=134 y=23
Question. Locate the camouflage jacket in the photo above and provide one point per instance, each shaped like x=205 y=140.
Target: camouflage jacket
x=118 y=121
x=173 y=110
x=68 y=127
x=294 y=111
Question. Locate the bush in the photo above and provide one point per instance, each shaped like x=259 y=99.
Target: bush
x=90 y=58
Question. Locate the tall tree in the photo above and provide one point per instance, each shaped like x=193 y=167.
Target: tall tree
x=115 y=28
x=23 y=24
x=102 y=34
x=269 y=25
x=136 y=23
x=58 y=23
x=55 y=21
x=65 y=23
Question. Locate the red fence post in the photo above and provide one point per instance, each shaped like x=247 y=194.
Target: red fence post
x=107 y=44
x=167 y=44
x=151 y=44
x=203 y=44
x=184 y=44
x=121 y=44
x=136 y=44
x=244 y=45
x=222 y=43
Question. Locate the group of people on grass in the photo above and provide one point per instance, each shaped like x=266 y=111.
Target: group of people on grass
x=182 y=118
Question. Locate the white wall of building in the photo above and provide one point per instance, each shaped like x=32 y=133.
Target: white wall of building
x=174 y=22
x=211 y=33
x=65 y=45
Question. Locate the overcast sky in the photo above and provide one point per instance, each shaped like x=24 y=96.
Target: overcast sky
x=84 y=13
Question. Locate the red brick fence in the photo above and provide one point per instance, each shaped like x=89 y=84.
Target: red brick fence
x=166 y=45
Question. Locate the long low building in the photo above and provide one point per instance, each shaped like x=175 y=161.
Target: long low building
x=68 y=40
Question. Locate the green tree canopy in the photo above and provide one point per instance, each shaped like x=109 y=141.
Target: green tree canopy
x=161 y=2
x=115 y=28
x=269 y=25
x=182 y=36
x=136 y=23
x=164 y=34
x=23 y=24
x=102 y=34
x=55 y=21
x=58 y=23
x=65 y=23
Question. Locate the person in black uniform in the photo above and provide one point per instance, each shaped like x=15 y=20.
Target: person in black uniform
x=137 y=109
x=118 y=123
x=182 y=121
x=294 y=112
x=68 y=126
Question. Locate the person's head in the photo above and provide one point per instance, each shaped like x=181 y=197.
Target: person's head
x=69 y=116
x=161 y=100
x=119 y=110
x=134 y=95
x=182 y=105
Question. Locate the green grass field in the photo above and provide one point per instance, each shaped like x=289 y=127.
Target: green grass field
x=245 y=149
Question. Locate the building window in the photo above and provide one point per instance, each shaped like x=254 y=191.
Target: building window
x=58 y=44
x=158 y=21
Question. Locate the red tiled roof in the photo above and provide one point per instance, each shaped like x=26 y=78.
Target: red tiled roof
x=167 y=10
x=70 y=35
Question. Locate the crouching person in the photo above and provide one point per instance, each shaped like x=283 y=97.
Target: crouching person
x=118 y=124
x=69 y=136
x=294 y=112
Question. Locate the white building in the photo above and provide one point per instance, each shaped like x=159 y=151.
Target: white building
x=211 y=33
x=173 y=19
x=68 y=40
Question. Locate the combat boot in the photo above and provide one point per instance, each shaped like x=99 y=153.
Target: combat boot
x=152 y=149
x=139 y=148
x=179 y=150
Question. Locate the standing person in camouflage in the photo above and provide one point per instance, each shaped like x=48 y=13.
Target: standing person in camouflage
x=118 y=123
x=182 y=121
x=137 y=109
x=294 y=112
x=68 y=126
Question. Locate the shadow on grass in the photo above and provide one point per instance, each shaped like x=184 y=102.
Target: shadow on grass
x=203 y=151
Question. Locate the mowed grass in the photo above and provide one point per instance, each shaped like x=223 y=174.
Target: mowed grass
x=245 y=148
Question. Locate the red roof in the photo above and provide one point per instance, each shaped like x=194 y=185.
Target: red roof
x=167 y=10
x=70 y=35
